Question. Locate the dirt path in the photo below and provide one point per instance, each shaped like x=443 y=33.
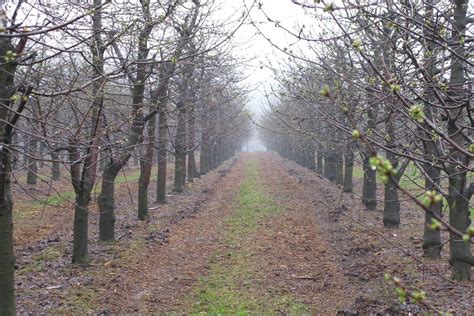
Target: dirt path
x=260 y=235
x=254 y=246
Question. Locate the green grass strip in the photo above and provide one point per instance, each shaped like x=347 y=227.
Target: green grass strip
x=233 y=284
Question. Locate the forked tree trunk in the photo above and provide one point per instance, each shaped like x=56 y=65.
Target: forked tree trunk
x=84 y=169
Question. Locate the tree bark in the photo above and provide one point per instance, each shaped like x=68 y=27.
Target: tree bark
x=460 y=255
x=7 y=257
x=340 y=168
x=391 y=209
x=55 y=167
x=80 y=253
x=311 y=159
x=180 y=149
x=84 y=170
x=348 y=169
x=460 y=251
x=32 y=174
x=106 y=203
x=192 y=171
x=431 y=237
x=146 y=164
x=369 y=190
x=319 y=162
x=330 y=166
x=162 y=156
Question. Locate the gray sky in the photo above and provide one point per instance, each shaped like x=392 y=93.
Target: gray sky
x=259 y=50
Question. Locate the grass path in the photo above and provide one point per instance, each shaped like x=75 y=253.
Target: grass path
x=244 y=240
x=232 y=286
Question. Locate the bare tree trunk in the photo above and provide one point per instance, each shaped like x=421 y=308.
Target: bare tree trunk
x=7 y=257
x=32 y=174
x=106 y=203
x=83 y=171
x=460 y=251
x=311 y=157
x=319 y=162
x=55 y=167
x=431 y=237
x=180 y=149
x=340 y=168
x=146 y=164
x=162 y=156
x=80 y=253
x=204 y=153
x=369 y=190
x=348 y=168
x=391 y=209
x=330 y=166
x=192 y=172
